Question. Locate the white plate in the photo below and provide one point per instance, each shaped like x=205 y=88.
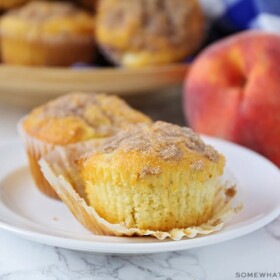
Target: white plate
x=29 y=214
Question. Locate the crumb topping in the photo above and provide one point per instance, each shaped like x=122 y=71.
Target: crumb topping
x=41 y=10
x=163 y=18
x=166 y=140
x=149 y=170
x=197 y=165
x=69 y=105
x=231 y=192
x=105 y=114
x=80 y=116
x=171 y=152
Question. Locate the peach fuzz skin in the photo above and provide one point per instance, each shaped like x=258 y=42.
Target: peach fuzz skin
x=233 y=92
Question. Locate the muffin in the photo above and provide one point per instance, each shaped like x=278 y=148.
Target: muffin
x=149 y=32
x=9 y=4
x=159 y=180
x=157 y=177
x=47 y=34
x=70 y=119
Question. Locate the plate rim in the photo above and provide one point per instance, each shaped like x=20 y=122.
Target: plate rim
x=54 y=81
x=96 y=69
x=149 y=247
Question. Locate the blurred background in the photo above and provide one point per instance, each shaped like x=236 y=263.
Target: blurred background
x=141 y=50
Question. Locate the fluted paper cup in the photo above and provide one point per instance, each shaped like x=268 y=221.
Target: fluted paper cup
x=35 y=150
x=62 y=173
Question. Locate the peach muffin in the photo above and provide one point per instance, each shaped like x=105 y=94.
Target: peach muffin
x=158 y=177
x=149 y=32
x=70 y=119
x=47 y=33
x=158 y=180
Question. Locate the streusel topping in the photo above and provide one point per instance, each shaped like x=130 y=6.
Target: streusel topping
x=79 y=117
x=166 y=140
x=42 y=10
x=97 y=110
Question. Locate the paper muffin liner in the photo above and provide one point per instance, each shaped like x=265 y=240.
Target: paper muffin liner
x=35 y=150
x=60 y=170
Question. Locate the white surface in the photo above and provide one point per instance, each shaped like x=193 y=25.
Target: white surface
x=267 y=22
x=20 y=259
x=9 y=115
x=29 y=214
x=213 y=8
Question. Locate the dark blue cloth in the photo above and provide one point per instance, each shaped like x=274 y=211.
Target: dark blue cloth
x=236 y=15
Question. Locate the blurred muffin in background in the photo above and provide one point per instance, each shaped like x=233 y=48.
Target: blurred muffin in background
x=47 y=33
x=148 y=32
x=70 y=119
x=9 y=4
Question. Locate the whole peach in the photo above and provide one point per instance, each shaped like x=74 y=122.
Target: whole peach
x=233 y=92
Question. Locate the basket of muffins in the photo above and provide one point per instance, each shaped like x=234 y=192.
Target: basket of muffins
x=122 y=174
x=136 y=45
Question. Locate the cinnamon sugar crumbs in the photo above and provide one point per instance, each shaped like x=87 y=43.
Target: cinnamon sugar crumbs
x=128 y=140
x=113 y=143
x=216 y=222
x=197 y=165
x=165 y=140
x=41 y=11
x=171 y=152
x=104 y=114
x=210 y=153
x=231 y=192
x=160 y=18
x=69 y=105
x=148 y=170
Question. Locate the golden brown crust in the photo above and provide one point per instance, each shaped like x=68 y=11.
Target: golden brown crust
x=42 y=18
x=150 y=31
x=162 y=140
x=79 y=117
x=146 y=151
x=42 y=11
x=20 y=51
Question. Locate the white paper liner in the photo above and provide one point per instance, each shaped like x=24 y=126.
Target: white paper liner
x=60 y=171
x=35 y=150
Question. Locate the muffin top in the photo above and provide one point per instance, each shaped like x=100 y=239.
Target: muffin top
x=48 y=18
x=79 y=117
x=145 y=150
x=148 y=24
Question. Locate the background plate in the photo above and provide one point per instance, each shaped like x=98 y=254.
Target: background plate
x=29 y=214
x=38 y=84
